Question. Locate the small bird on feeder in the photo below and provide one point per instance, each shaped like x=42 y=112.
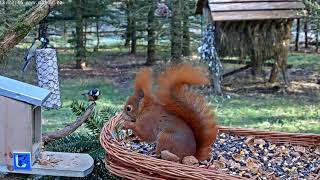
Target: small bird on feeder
x=31 y=53
x=92 y=94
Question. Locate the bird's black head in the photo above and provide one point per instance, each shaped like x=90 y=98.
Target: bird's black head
x=94 y=92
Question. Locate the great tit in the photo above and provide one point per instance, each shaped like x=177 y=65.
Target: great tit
x=31 y=53
x=92 y=94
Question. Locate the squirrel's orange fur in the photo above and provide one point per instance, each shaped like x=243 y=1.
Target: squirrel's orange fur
x=177 y=119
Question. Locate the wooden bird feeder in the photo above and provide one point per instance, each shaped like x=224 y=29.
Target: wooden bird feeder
x=258 y=29
x=20 y=135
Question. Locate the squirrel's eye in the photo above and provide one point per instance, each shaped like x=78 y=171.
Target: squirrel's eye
x=129 y=108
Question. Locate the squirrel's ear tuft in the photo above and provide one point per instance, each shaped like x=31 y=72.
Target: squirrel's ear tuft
x=140 y=94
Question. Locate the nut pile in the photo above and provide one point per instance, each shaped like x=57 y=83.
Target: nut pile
x=260 y=159
x=252 y=158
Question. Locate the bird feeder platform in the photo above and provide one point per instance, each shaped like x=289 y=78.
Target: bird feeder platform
x=58 y=164
x=21 y=135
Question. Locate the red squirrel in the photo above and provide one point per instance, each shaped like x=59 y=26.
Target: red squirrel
x=176 y=118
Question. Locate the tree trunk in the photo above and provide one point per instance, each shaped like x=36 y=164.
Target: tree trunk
x=128 y=29
x=133 y=37
x=5 y=9
x=96 y=49
x=64 y=30
x=85 y=32
x=176 y=36
x=12 y=36
x=132 y=26
x=297 y=35
x=80 y=49
x=185 y=31
x=306 y=43
x=151 y=51
x=317 y=35
x=256 y=64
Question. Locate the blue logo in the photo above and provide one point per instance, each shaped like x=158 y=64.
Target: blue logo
x=22 y=161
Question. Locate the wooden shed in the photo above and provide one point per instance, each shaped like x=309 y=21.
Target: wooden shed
x=21 y=135
x=254 y=29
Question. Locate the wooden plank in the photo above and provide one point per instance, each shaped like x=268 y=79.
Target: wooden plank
x=252 y=6
x=37 y=132
x=17 y=127
x=64 y=164
x=3 y=117
x=207 y=15
x=38 y=124
x=254 y=15
x=239 y=1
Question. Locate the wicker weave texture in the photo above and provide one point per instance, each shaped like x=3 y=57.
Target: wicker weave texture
x=131 y=165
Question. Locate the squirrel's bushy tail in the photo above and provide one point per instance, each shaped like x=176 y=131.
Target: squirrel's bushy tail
x=188 y=105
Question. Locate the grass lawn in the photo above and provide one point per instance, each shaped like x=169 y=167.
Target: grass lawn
x=271 y=112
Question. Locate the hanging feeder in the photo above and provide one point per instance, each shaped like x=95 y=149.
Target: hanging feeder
x=47 y=66
x=48 y=78
x=209 y=55
x=162 y=10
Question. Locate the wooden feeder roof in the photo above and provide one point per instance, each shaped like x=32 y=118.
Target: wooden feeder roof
x=233 y=10
x=21 y=91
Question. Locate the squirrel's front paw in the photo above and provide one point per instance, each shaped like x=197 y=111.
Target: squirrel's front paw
x=127 y=125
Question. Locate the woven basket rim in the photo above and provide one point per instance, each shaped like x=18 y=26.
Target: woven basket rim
x=125 y=163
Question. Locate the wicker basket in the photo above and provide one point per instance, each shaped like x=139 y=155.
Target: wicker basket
x=131 y=165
